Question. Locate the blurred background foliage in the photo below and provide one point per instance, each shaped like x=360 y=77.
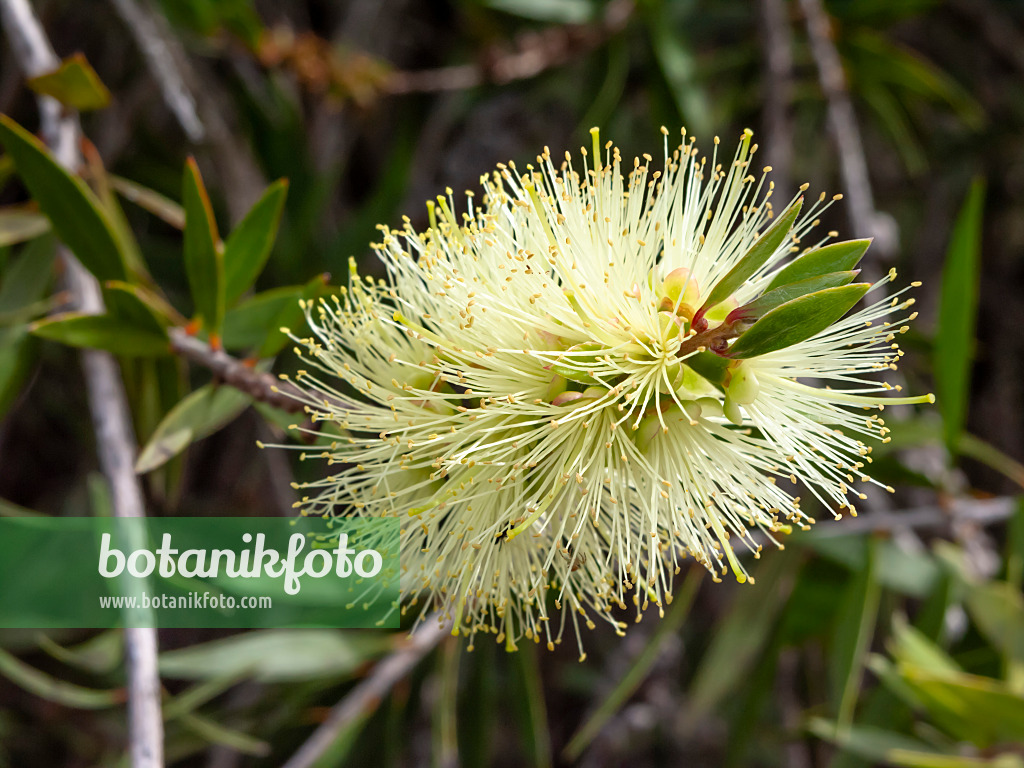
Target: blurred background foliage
x=893 y=639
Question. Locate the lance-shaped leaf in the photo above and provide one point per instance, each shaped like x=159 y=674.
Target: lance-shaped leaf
x=291 y=316
x=130 y=304
x=958 y=309
x=74 y=84
x=148 y=199
x=797 y=320
x=200 y=414
x=204 y=261
x=107 y=332
x=75 y=213
x=752 y=260
x=248 y=325
x=20 y=223
x=769 y=300
x=837 y=257
x=247 y=249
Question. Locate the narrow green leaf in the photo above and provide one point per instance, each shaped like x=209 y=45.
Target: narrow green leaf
x=771 y=299
x=74 y=84
x=638 y=670
x=247 y=249
x=292 y=317
x=155 y=305
x=743 y=633
x=19 y=223
x=200 y=414
x=74 y=211
x=26 y=278
x=248 y=325
x=128 y=306
x=199 y=694
x=216 y=733
x=106 y=332
x=99 y=655
x=958 y=306
x=762 y=250
x=54 y=690
x=837 y=257
x=10 y=509
x=797 y=320
x=277 y=655
x=204 y=259
x=854 y=630
x=979 y=709
x=150 y=200
x=867 y=741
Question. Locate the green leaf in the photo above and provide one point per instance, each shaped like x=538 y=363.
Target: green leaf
x=24 y=283
x=156 y=305
x=272 y=656
x=99 y=655
x=762 y=250
x=127 y=303
x=150 y=200
x=204 y=259
x=958 y=307
x=676 y=53
x=998 y=610
x=106 y=332
x=709 y=365
x=745 y=630
x=552 y=11
x=290 y=316
x=247 y=325
x=201 y=413
x=74 y=84
x=74 y=211
x=19 y=223
x=771 y=299
x=55 y=690
x=215 y=733
x=26 y=278
x=837 y=257
x=979 y=709
x=854 y=630
x=867 y=741
x=797 y=320
x=638 y=670
x=247 y=249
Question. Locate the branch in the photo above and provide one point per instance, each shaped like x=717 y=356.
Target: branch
x=778 y=88
x=535 y=53
x=258 y=385
x=115 y=437
x=979 y=512
x=366 y=696
x=867 y=222
x=157 y=46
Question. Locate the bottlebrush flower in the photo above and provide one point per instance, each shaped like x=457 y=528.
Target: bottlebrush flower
x=573 y=386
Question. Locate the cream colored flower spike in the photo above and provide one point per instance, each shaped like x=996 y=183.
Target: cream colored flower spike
x=594 y=374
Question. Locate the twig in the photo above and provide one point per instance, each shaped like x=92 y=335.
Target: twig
x=365 y=697
x=980 y=512
x=778 y=89
x=108 y=403
x=867 y=222
x=535 y=53
x=155 y=42
x=258 y=385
